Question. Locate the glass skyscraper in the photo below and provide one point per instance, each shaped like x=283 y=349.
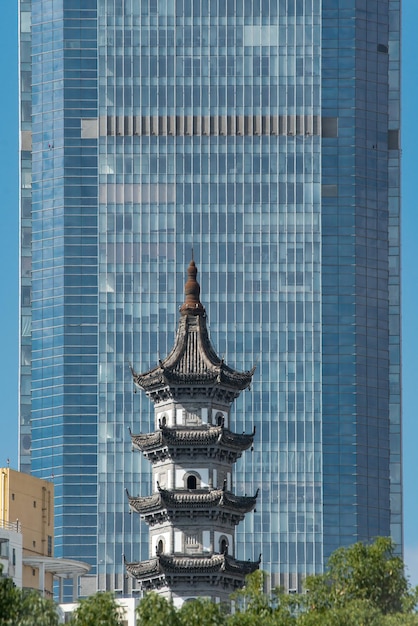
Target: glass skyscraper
x=265 y=135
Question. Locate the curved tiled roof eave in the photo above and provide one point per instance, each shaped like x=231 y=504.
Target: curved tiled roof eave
x=143 y=569
x=196 y=436
x=166 y=564
x=181 y=500
x=144 y=504
x=228 y=380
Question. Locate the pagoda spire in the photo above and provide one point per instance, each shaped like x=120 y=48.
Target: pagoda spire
x=192 y=304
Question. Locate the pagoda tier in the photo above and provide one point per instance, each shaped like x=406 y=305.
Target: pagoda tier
x=193 y=368
x=203 y=440
x=214 y=570
x=210 y=504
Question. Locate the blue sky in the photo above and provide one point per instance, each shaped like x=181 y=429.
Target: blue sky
x=9 y=259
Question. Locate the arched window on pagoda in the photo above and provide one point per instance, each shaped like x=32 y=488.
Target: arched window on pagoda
x=192 y=480
x=159 y=548
x=223 y=545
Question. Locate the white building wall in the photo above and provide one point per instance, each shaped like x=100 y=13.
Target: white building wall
x=11 y=552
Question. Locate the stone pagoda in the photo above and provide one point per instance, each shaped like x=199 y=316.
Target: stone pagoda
x=193 y=511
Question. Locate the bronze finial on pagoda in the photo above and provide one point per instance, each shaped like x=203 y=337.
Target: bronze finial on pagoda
x=192 y=304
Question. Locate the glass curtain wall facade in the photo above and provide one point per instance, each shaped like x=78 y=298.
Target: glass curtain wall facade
x=265 y=134
x=59 y=263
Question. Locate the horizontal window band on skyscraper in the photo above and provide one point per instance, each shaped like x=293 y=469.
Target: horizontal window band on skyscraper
x=214 y=125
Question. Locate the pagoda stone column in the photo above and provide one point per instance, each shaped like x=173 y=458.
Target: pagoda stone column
x=193 y=511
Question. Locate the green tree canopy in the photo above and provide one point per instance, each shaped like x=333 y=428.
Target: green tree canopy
x=254 y=606
x=25 y=608
x=362 y=572
x=35 y=610
x=99 y=609
x=353 y=613
x=154 y=610
x=9 y=602
x=201 y=612
x=364 y=585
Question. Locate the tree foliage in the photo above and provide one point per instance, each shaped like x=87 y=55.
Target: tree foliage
x=9 y=602
x=370 y=573
x=25 y=608
x=35 y=610
x=154 y=610
x=201 y=612
x=101 y=608
x=364 y=585
x=353 y=613
x=254 y=606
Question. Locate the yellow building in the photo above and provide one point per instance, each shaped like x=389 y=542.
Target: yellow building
x=28 y=502
x=27 y=509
